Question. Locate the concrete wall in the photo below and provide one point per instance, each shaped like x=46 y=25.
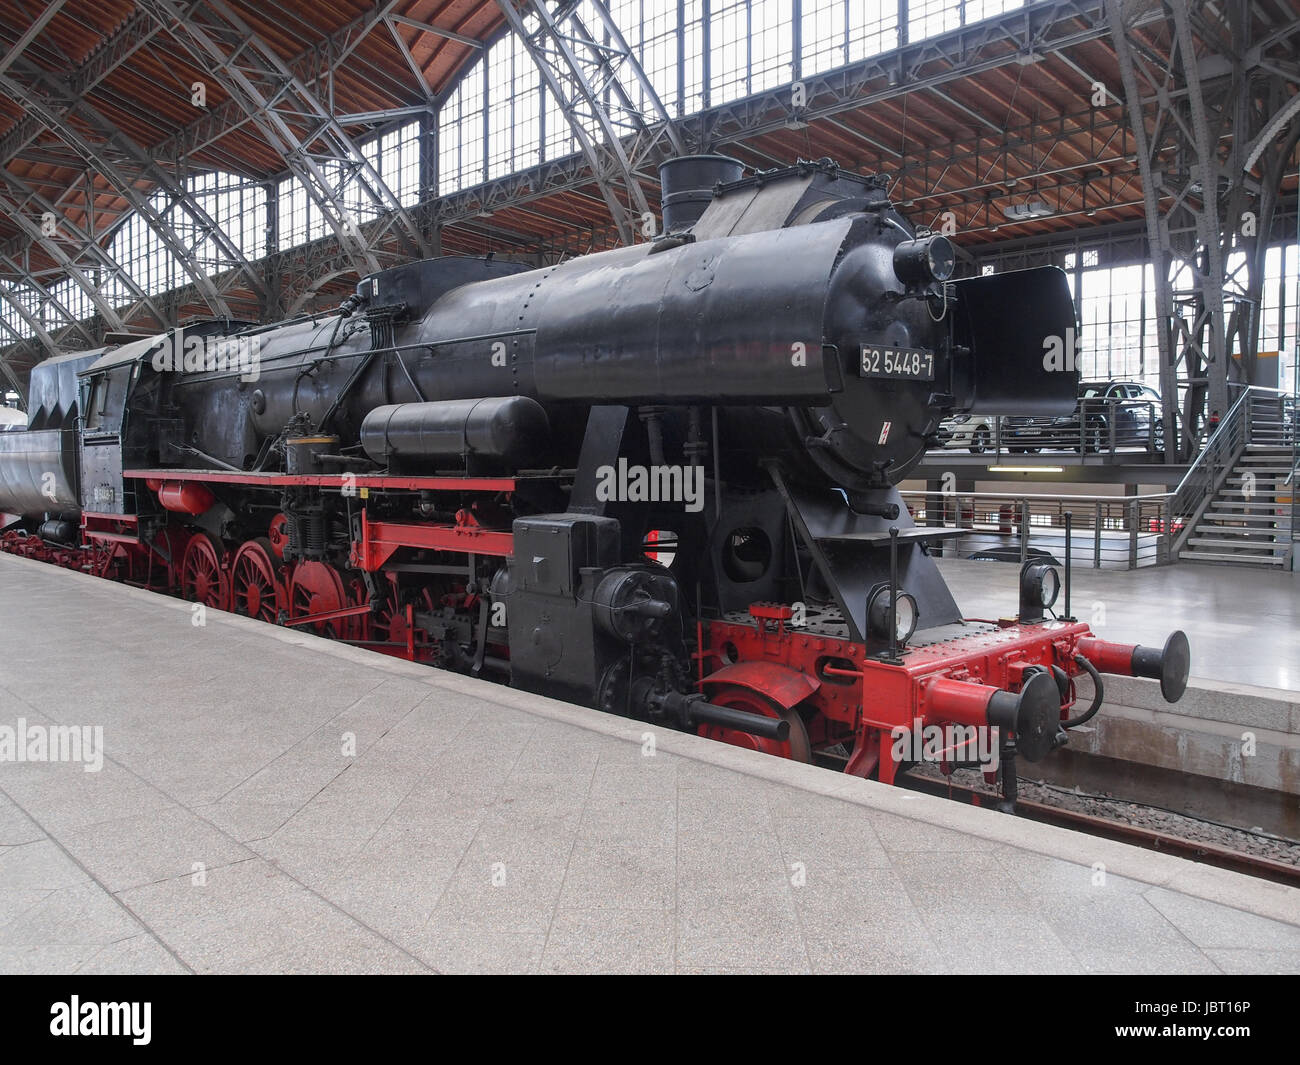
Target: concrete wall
x=1207 y=733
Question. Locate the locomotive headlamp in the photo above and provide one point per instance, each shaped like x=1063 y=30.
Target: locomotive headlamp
x=925 y=259
x=1040 y=584
x=878 y=615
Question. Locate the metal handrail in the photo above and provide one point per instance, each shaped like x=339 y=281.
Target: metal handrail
x=1206 y=474
x=1092 y=429
x=1291 y=479
x=1047 y=497
x=1171 y=516
x=1097 y=518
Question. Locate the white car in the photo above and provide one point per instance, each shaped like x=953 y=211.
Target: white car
x=973 y=431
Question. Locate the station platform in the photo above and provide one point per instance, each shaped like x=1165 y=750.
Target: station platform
x=1241 y=622
x=273 y=802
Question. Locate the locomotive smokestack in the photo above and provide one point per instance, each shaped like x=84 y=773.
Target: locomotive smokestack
x=687 y=186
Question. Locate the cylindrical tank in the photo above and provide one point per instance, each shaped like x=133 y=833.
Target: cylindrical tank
x=302 y=454
x=57 y=531
x=38 y=472
x=511 y=429
x=185 y=497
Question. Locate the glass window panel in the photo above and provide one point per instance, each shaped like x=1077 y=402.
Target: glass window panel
x=460 y=134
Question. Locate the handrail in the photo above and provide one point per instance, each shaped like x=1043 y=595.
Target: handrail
x=1049 y=497
x=1291 y=480
x=1115 y=529
x=1207 y=473
x=1213 y=441
x=1096 y=427
x=1173 y=516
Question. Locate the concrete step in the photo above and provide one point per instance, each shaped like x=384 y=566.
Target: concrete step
x=1264 y=463
x=1278 y=531
x=1225 y=515
x=1249 y=548
x=1216 y=538
x=1264 y=561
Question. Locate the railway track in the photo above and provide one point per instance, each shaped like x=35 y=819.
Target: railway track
x=1123 y=831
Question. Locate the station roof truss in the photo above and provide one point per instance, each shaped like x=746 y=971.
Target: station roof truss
x=1043 y=119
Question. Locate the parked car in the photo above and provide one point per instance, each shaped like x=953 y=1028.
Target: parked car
x=1134 y=408
x=973 y=431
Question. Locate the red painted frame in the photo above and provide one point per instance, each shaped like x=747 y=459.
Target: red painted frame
x=330 y=480
x=380 y=540
x=861 y=700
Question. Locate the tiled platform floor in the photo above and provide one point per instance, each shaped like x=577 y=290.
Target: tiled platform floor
x=270 y=802
x=1243 y=624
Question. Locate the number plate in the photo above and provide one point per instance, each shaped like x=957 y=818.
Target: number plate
x=908 y=364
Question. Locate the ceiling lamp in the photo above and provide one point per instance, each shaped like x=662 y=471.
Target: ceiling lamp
x=1020 y=212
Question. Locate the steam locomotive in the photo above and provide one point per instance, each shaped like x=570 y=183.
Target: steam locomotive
x=658 y=481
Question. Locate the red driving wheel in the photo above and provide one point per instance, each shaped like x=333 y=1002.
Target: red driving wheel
x=203 y=578
x=391 y=627
x=169 y=549
x=795 y=747
x=277 y=534
x=255 y=589
x=117 y=563
x=317 y=588
x=358 y=625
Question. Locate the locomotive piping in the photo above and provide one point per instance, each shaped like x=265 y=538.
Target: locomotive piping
x=1098 y=695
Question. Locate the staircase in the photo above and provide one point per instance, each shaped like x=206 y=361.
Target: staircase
x=1247 y=519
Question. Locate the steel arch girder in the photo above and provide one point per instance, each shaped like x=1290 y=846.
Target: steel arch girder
x=97 y=159
x=607 y=157
x=34 y=233
x=198 y=26
x=1189 y=217
x=34 y=323
x=48 y=296
x=88 y=246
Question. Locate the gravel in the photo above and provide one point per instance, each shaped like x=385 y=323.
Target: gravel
x=1246 y=840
